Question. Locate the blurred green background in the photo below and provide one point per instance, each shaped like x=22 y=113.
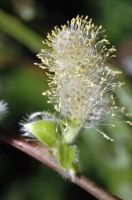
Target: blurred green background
x=23 y=26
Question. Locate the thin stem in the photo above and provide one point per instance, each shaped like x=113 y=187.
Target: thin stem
x=42 y=153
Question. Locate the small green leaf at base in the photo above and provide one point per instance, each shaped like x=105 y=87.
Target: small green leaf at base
x=74 y=168
x=45 y=131
x=65 y=155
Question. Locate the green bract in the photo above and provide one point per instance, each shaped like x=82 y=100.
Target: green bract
x=74 y=168
x=65 y=155
x=45 y=131
x=71 y=134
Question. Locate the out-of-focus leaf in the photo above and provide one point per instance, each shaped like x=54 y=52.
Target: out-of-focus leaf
x=20 y=32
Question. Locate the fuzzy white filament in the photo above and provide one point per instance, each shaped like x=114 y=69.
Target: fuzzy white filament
x=3 y=109
x=81 y=87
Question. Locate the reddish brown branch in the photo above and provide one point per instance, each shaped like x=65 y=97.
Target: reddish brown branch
x=42 y=153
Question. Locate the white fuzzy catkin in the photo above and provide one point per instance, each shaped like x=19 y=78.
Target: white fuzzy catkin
x=81 y=85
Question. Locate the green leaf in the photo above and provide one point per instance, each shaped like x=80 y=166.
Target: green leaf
x=45 y=131
x=74 y=168
x=65 y=155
